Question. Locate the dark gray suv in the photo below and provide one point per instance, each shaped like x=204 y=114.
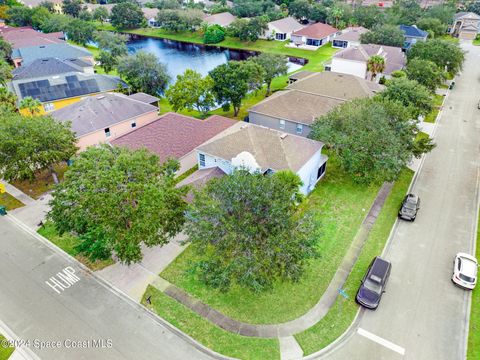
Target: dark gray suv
x=373 y=283
x=409 y=208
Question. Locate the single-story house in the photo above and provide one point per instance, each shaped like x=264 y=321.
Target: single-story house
x=102 y=118
x=26 y=55
x=59 y=90
x=51 y=67
x=349 y=37
x=299 y=75
x=57 y=4
x=92 y=7
x=259 y=149
x=295 y=109
x=282 y=29
x=412 y=34
x=313 y=36
x=151 y=16
x=466 y=25
x=176 y=136
x=223 y=19
x=146 y=98
x=354 y=60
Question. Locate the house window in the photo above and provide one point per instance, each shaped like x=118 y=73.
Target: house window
x=134 y=125
x=314 y=42
x=280 y=36
x=201 y=158
x=299 y=129
x=321 y=170
x=282 y=124
x=340 y=43
x=48 y=107
x=107 y=132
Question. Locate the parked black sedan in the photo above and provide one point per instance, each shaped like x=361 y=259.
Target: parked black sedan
x=409 y=208
x=373 y=283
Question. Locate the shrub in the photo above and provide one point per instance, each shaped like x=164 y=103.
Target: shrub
x=214 y=34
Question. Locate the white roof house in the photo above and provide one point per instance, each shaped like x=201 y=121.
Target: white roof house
x=282 y=29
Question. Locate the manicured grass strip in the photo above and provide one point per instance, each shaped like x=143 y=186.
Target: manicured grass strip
x=186 y=174
x=5 y=352
x=208 y=334
x=338 y=206
x=67 y=243
x=473 y=350
x=476 y=42
x=10 y=202
x=42 y=183
x=437 y=103
x=341 y=315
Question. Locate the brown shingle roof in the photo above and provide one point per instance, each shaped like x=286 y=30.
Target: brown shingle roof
x=174 y=135
x=351 y=34
x=287 y=25
x=316 y=31
x=272 y=149
x=222 y=19
x=199 y=179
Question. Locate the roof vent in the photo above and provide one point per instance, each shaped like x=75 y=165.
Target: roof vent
x=283 y=136
x=42 y=47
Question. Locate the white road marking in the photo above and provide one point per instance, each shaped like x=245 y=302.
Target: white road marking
x=381 y=341
x=63 y=280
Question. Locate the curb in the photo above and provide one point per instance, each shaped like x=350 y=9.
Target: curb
x=24 y=351
x=118 y=292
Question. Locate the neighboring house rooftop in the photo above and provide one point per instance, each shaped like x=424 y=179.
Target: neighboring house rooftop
x=93 y=7
x=301 y=74
x=25 y=36
x=335 y=85
x=45 y=67
x=271 y=149
x=287 y=25
x=60 y=51
x=466 y=15
x=394 y=57
x=99 y=112
x=149 y=13
x=146 y=98
x=174 y=135
x=223 y=19
x=64 y=86
x=413 y=31
x=34 y=3
x=316 y=31
x=351 y=33
x=199 y=179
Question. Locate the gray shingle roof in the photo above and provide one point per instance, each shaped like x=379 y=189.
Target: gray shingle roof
x=146 y=98
x=44 y=67
x=287 y=25
x=272 y=149
x=98 y=112
x=60 y=51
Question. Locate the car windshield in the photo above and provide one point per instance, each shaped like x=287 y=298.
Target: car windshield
x=373 y=286
x=410 y=205
x=467 y=278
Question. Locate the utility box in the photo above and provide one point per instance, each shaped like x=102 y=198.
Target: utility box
x=3 y=210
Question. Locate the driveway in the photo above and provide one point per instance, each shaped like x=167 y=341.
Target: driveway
x=422 y=315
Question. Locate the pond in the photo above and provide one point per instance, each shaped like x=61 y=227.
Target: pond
x=179 y=56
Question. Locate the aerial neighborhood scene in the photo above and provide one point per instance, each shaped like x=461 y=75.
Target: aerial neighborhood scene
x=244 y=179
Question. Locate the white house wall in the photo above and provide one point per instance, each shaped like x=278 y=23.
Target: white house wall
x=212 y=161
x=343 y=66
x=308 y=172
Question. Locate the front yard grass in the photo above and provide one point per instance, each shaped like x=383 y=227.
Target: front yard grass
x=437 y=104
x=10 y=202
x=208 y=334
x=339 y=207
x=341 y=315
x=68 y=243
x=42 y=183
x=5 y=352
x=473 y=350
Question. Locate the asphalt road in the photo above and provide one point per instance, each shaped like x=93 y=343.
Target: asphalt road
x=423 y=316
x=87 y=310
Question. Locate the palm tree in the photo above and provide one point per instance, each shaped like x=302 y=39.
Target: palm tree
x=31 y=104
x=376 y=65
x=8 y=100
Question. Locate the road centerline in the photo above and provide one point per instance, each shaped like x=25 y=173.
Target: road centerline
x=379 y=340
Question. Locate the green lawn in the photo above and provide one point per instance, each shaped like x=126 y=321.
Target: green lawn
x=5 y=352
x=208 y=334
x=42 y=183
x=473 y=351
x=343 y=312
x=67 y=243
x=476 y=42
x=449 y=38
x=10 y=202
x=338 y=206
x=437 y=103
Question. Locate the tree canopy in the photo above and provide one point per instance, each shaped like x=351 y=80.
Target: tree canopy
x=28 y=145
x=116 y=199
x=127 y=15
x=273 y=65
x=80 y=31
x=248 y=230
x=72 y=7
x=247 y=29
x=368 y=16
x=373 y=138
x=386 y=34
x=444 y=54
x=179 y=20
x=433 y=25
x=144 y=73
x=425 y=73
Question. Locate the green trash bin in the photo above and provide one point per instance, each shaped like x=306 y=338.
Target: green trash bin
x=3 y=210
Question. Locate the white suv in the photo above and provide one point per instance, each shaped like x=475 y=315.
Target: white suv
x=465 y=271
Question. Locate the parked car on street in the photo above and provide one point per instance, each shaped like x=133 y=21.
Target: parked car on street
x=410 y=206
x=373 y=284
x=465 y=271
